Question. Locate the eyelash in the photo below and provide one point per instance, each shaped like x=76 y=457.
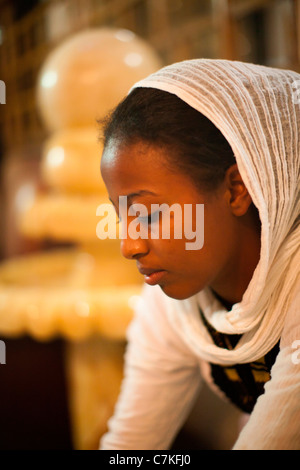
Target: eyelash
x=148 y=219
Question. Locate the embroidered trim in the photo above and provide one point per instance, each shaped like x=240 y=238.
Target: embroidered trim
x=241 y=383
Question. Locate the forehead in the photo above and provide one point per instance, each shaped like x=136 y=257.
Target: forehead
x=138 y=160
x=117 y=154
x=140 y=167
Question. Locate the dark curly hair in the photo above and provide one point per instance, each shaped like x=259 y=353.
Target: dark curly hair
x=196 y=147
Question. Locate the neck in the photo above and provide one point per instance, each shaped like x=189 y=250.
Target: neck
x=243 y=263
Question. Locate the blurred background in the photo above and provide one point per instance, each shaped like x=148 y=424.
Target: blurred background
x=64 y=348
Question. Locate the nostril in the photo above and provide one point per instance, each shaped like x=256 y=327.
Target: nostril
x=133 y=249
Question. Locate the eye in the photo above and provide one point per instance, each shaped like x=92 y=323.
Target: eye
x=150 y=219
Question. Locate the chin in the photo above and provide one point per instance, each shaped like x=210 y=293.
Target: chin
x=176 y=293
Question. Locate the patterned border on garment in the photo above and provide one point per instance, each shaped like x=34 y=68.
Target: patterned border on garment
x=241 y=383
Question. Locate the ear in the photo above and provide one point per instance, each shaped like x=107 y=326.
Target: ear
x=238 y=197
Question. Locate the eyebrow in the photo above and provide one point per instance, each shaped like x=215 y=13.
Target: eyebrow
x=142 y=192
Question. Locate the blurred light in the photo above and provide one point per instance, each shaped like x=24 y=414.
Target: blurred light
x=82 y=308
x=33 y=311
x=124 y=35
x=55 y=156
x=133 y=59
x=49 y=79
x=25 y=196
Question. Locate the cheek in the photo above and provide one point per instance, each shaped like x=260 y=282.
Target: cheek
x=166 y=249
x=174 y=255
x=181 y=236
x=219 y=225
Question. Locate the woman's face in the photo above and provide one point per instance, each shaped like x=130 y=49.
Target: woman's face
x=139 y=172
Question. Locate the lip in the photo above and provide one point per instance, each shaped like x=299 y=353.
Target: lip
x=152 y=276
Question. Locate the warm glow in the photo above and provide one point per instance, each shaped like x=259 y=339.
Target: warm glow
x=55 y=156
x=49 y=79
x=25 y=197
x=133 y=59
x=124 y=35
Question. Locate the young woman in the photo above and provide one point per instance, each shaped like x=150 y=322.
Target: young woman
x=222 y=135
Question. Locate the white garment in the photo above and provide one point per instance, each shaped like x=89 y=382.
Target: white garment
x=163 y=378
x=254 y=107
x=168 y=344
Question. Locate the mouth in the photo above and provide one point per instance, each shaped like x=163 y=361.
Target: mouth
x=152 y=276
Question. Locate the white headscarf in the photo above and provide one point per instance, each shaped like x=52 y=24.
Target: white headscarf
x=255 y=108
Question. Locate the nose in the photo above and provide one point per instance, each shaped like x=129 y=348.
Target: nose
x=133 y=249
